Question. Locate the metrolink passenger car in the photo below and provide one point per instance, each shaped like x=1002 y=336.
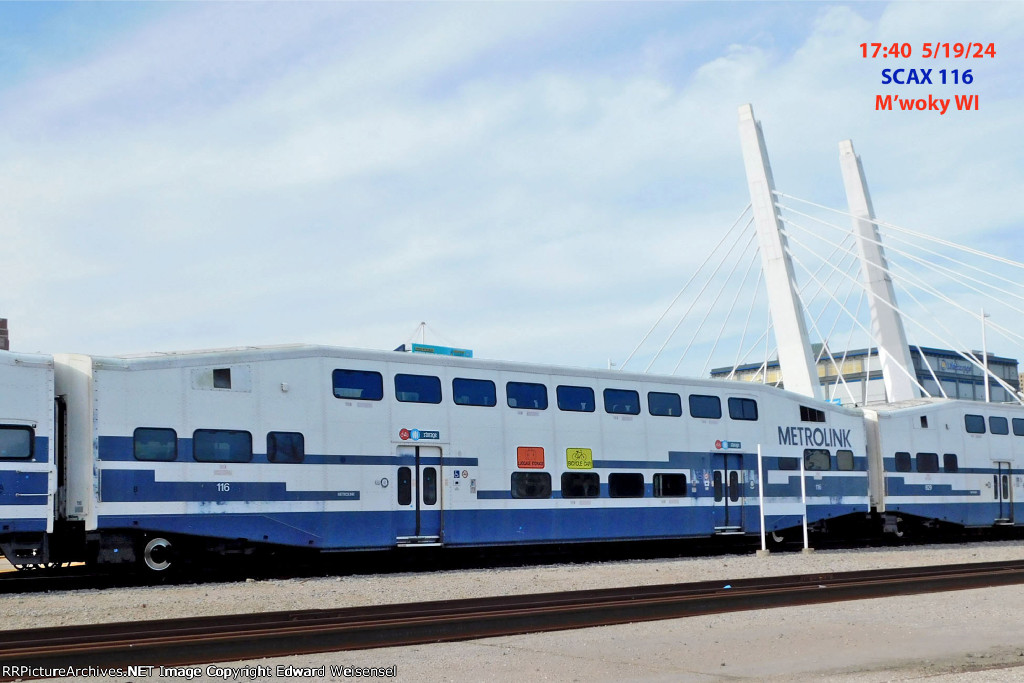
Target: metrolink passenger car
x=308 y=447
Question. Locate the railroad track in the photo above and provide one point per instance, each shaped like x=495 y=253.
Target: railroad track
x=179 y=642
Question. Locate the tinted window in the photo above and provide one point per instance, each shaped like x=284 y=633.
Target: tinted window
x=581 y=485
x=811 y=414
x=949 y=463
x=1018 y=426
x=417 y=388
x=404 y=486
x=221 y=445
x=817 y=459
x=286 y=447
x=531 y=485
x=155 y=444
x=705 y=406
x=927 y=462
x=576 y=399
x=903 y=462
x=789 y=463
x=669 y=405
x=844 y=460
x=621 y=401
x=358 y=384
x=998 y=425
x=474 y=392
x=16 y=442
x=622 y=485
x=527 y=395
x=975 y=424
x=669 y=485
x=429 y=486
x=742 y=408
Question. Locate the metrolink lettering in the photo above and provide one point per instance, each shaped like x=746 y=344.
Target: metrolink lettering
x=814 y=436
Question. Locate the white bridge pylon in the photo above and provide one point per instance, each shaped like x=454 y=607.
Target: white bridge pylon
x=795 y=358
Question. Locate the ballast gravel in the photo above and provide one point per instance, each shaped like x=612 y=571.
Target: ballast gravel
x=975 y=635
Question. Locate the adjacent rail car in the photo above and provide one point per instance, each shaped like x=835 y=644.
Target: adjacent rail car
x=335 y=449
x=28 y=468
x=942 y=461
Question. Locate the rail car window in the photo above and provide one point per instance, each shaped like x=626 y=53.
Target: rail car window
x=789 y=463
x=717 y=485
x=818 y=459
x=626 y=485
x=404 y=486
x=811 y=414
x=705 y=406
x=669 y=485
x=575 y=399
x=286 y=447
x=903 y=462
x=474 y=392
x=221 y=445
x=949 y=463
x=430 y=486
x=928 y=462
x=668 y=405
x=621 y=402
x=974 y=424
x=734 y=486
x=417 y=388
x=531 y=485
x=581 y=485
x=363 y=385
x=16 y=442
x=1018 y=426
x=742 y=408
x=844 y=460
x=150 y=443
x=998 y=425
x=526 y=395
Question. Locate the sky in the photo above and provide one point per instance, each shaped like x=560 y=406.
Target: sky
x=535 y=181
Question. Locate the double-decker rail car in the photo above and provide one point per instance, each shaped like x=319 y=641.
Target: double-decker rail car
x=337 y=449
x=28 y=469
x=943 y=461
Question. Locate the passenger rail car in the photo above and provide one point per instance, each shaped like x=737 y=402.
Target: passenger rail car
x=335 y=449
x=28 y=470
x=951 y=462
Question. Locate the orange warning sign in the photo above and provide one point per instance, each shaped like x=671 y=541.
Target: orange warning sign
x=530 y=458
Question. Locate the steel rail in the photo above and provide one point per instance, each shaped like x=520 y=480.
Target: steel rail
x=176 y=642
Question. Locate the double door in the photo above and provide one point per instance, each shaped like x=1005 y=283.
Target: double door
x=727 y=487
x=1002 y=485
x=418 y=493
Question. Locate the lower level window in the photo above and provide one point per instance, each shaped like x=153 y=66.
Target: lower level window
x=153 y=443
x=221 y=445
x=626 y=485
x=16 y=442
x=669 y=485
x=286 y=447
x=531 y=485
x=581 y=485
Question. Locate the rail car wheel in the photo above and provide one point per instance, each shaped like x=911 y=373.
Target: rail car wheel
x=157 y=554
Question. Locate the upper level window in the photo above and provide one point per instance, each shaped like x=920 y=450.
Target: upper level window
x=16 y=442
x=1018 y=426
x=152 y=443
x=975 y=424
x=527 y=395
x=998 y=425
x=742 y=408
x=575 y=399
x=817 y=459
x=705 y=406
x=474 y=392
x=660 y=403
x=221 y=445
x=621 y=401
x=286 y=447
x=358 y=384
x=417 y=388
x=811 y=414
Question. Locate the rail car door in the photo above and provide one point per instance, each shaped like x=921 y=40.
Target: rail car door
x=419 y=496
x=1003 y=492
x=727 y=486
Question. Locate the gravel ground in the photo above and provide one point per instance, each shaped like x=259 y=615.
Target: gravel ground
x=965 y=635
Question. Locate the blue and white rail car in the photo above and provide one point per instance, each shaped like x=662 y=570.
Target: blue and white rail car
x=28 y=470
x=959 y=462
x=336 y=449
